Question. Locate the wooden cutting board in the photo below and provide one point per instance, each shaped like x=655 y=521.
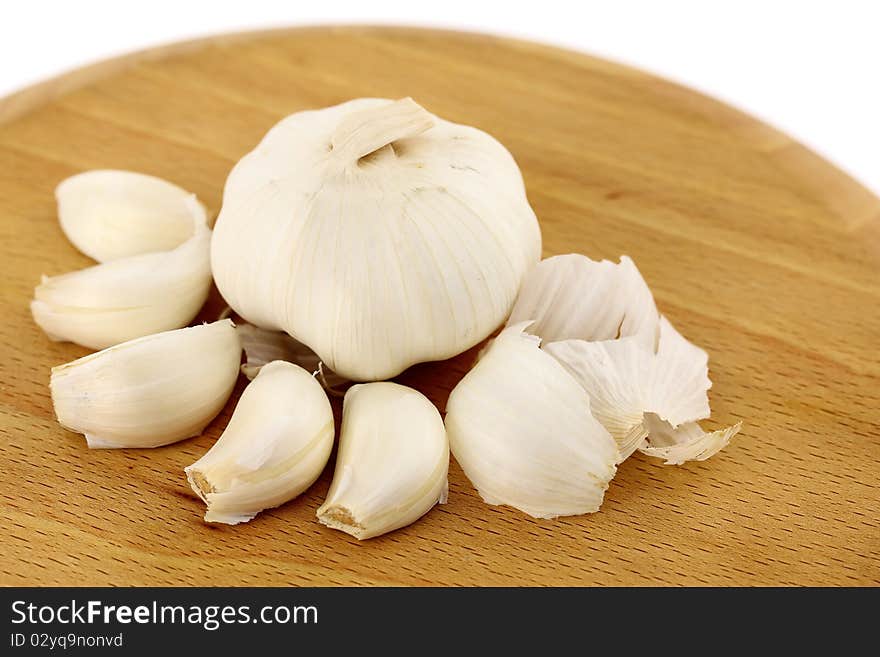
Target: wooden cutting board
x=755 y=248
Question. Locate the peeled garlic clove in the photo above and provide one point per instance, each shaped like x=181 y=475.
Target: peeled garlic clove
x=392 y=462
x=375 y=233
x=109 y=214
x=688 y=442
x=521 y=428
x=573 y=297
x=151 y=391
x=275 y=446
x=625 y=379
x=128 y=298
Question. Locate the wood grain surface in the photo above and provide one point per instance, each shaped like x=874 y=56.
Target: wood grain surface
x=757 y=250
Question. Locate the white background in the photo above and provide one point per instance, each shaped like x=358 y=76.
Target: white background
x=810 y=68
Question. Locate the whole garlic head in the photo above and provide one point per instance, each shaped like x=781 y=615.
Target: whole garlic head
x=377 y=234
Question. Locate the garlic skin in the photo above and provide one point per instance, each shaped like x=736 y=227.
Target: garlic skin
x=687 y=442
x=573 y=297
x=521 y=428
x=150 y=391
x=275 y=446
x=598 y=319
x=375 y=233
x=627 y=381
x=262 y=346
x=392 y=461
x=128 y=298
x=109 y=214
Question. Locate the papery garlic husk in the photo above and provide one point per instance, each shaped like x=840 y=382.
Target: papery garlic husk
x=150 y=391
x=275 y=446
x=375 y=233
x=573 y=297
x=599 y=320
x=262 y=346
x=109 y=214
x=127 y=298
x=627 y=380
x=687 y=442
x=521 y=428
x=392 y=462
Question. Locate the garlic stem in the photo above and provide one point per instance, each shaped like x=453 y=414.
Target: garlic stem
x=365 y=131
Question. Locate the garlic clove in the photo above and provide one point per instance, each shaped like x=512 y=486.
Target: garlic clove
x=625 y=380
x=110 y=303
x=150 y=391
x=573 y=297
x=392 y=462
x=687 y=442
x=109 y=214
x=521 y=428
x=275 y=446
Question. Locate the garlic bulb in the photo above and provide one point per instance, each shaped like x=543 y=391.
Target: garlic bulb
x=520 y=426
x=392 y=462
x=599 y=320
x=109 y=214
x=129 y=297
x=275 y=446
x=375 y=233
x=151 y=391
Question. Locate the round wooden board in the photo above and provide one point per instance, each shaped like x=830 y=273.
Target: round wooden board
x=755 y=248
